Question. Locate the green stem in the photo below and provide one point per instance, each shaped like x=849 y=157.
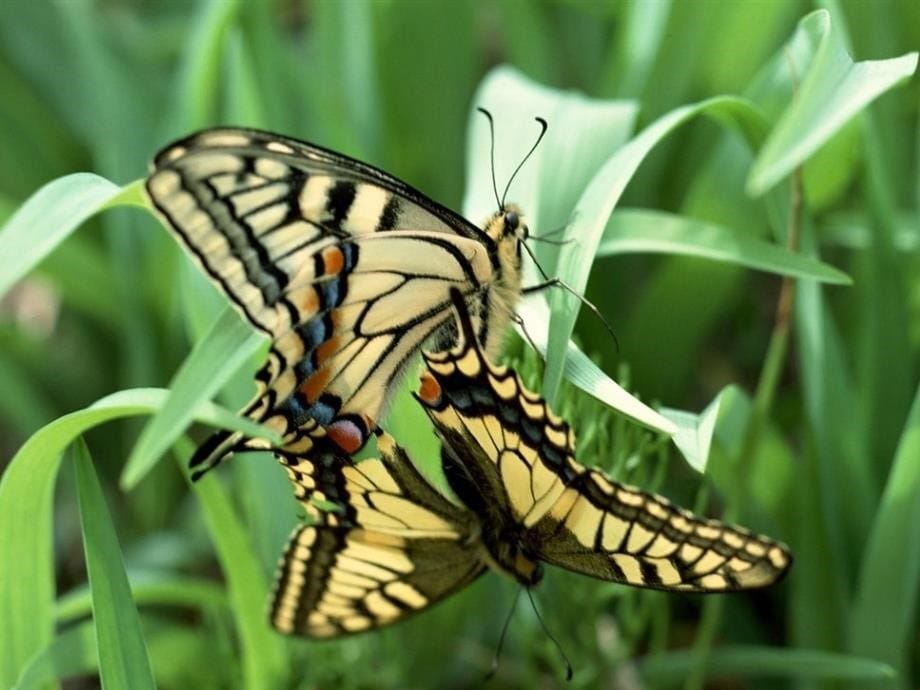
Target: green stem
x=760 y=412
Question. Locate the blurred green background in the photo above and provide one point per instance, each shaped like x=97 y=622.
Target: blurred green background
x=817 y=442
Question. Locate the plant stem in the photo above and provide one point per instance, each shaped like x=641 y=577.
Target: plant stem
x=767 y=384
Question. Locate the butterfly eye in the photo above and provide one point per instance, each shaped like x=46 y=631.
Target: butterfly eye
x=511 y=221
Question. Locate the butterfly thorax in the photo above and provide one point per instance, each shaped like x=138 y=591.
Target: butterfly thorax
x=507 y=229
x=504 y=550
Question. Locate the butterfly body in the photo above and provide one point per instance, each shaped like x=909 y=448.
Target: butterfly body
x=395 y=545
x=346 y=268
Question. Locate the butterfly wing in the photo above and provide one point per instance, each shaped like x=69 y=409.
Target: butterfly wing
x=395 y=547
x=520 y=455
x=346 y=268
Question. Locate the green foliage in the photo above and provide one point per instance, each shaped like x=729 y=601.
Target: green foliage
x=803 y=167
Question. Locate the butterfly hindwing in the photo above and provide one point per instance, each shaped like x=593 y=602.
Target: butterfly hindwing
x=518 y=455
x=393 y=547
x=344 y=267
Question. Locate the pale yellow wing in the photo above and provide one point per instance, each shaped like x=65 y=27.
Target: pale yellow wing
x=394 y=547
x=518 y=458
x=344 y=267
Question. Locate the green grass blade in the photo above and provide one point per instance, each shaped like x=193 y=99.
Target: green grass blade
x=201 y=63
x=47 y=218
x=671 y=668
x=26 y=493
x=150 y=588
x=585 y=374
x=694 y=432
x=883 y=619
x=639 y=230
x=601 y=196
x=262 y=649
x=833 y=89
x=216 y=357
x=71 y=652
x=122 y=654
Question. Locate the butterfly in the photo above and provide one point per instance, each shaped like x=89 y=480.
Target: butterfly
x=394 y=545
x=346 y=268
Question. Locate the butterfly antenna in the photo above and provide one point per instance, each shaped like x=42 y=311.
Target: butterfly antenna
x=501 y=638
x=492 y=154
x=565 y=659
x=543 y=128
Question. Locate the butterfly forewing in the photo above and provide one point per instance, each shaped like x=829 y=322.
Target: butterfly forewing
x=520 y=456
x=346 y=268
x=392 y=548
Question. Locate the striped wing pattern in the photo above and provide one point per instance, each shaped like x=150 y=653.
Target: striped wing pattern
x=345 y=268
x=394 y=547
x=520 y=455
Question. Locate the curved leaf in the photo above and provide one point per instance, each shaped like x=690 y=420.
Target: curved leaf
x=601 y=196
x=120 y=645
x=26 y=493
x=883 y=619
x=582 y=372
x=671 y=668
x=47 y=218
x=263 y=656
x=833 y=89
x=641 y=230
x=215 y=358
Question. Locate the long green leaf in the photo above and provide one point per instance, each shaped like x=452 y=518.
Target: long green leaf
x=601 y=196
x=671 y=668
x=833 y=89
x=26 y=493
x=72 y=652
x=216 y=357
x=263 y=656
x=123 y=661
x=639 y=230
x=47 y=218
x=883 y=619
x=150 y=588
x=582 y=372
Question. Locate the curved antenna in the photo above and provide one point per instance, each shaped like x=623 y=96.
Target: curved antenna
x=565 y=659
x=501 y=638
x=543 y=128
x=492 y=153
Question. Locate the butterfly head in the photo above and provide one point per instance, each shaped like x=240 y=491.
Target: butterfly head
x=508 y=229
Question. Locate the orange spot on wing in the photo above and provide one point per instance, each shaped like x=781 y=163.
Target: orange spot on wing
x=333 y=260
x=346 y=435
x=325 y=350
x=314 y=386
x=308 y=301
x=430 y=390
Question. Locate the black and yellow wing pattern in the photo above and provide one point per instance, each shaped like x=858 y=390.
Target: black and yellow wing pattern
x=346 y=268
x=510 y=457
x=393 y=545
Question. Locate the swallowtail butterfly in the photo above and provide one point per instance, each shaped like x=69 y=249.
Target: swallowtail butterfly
x=396 y=546
x=346 y=268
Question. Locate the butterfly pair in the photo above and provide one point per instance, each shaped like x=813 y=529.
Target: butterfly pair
x=350 y=271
